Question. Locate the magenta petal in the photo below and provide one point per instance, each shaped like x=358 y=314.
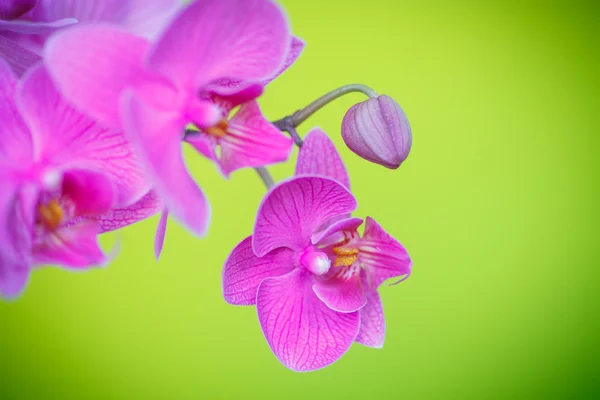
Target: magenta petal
x=382 y=256
x=349 y=224
x=11 y=9
x=74 y=246
x=252 y=141
x=91 y=192
x=64 y=137
x=293 y=210
x=294 y=51
x=91 y=66
x=372 y=322
x=318 y=156
x=204 y=144
x=13 y=278
x=118 y=218
x=243 y=271
x=161 y=231
x=212 y=39
x=15 y=140
x=35 y=28
x=16 y=56
x=341 y=295
x=303 y=333
x=157 y=134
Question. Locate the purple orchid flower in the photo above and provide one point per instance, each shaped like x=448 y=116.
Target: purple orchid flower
x=64 y=179
x=313 y=278
x=155 y=90
x=31 y=22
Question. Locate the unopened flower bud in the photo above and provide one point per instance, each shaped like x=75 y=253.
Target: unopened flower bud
x=378 y=130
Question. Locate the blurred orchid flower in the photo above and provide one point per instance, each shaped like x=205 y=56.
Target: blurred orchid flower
x=155 y=90
x=378 y=131
x=312 y=276
x=62 y=175
x=30 y=22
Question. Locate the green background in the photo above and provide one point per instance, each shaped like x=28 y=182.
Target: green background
x=497 y=205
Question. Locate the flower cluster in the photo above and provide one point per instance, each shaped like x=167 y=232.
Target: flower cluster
x=97 y=99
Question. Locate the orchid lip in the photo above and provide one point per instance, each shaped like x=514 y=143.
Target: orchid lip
x=315 y=261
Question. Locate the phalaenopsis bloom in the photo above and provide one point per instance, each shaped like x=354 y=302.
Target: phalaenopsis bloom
x=97 y=99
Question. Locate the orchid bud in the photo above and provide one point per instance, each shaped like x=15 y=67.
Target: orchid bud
x=378 y=131
x=12 y=9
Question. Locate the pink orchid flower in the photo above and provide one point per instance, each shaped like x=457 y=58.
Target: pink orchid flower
x=64 y=179
x=312 y=276
x=31 y=22
x=154 y=91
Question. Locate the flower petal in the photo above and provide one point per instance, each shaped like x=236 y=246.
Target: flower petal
x=16 y=56
x=303 y=333
x=13 y=278
x=11 y=9
x=382 y=256
x=212 y=39
x=348 y=224
x=73 y=246
x=293 y=210
x=65 y=137
x=318 y=156
x=15 y=141
x=157 y=135
x=252 y=141
x=341 y=295
x=372 y=322
x=243 y=271
x=91 y=192
x=35 y=28
x=91 y=65
x=118 y=218
x=161 y=231
x=294 y=51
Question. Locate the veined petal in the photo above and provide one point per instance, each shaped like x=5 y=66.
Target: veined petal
x=73 y=246
x=382 y=256
x=118 y=218
x=212 y=39
x=64 y=137
x=35 y=28
x=294 y=51
x=17 y=57
x=318 y=156
x=15 y=141
x=372 y=322
x=243 y=271
x=92 y=65
x=303 y=333
x=161 y=231
x=252 y=141
x=348 y=224
x=157 y=135
x=11 y=9
x=91 y=192
x=341 y=295
x=294 y=209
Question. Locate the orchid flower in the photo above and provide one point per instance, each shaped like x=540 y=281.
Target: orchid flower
x=153 y=91
x=64 y=180
x=312 y=276
x=31 y=22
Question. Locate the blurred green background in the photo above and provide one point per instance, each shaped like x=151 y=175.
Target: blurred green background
x=497 y=205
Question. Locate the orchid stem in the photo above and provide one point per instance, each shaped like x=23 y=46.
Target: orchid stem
x=265 y=176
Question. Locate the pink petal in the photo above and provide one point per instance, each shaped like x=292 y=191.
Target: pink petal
x=65 y=137
x=212 y=39
x=74 y=246
x=118 y=218
x=13 y=278
x=93 y=64
x=303 y=333
x=17 y=57
x=293 y=210
x=341 y=295
x=294 y=51
x=15 y=140
x=348 y=224
x=35 y=28
x=318 y=156
x=382 y=256
x=157 y=134
x=11 y=9
x=91 y=192
x=161 y=231
x=204 y=144
x=243 y=271
x=372 y=322
x=252 y=141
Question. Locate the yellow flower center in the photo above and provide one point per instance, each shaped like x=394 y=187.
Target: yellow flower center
x=50 y=215
x=218 y=130
x=345 y=256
